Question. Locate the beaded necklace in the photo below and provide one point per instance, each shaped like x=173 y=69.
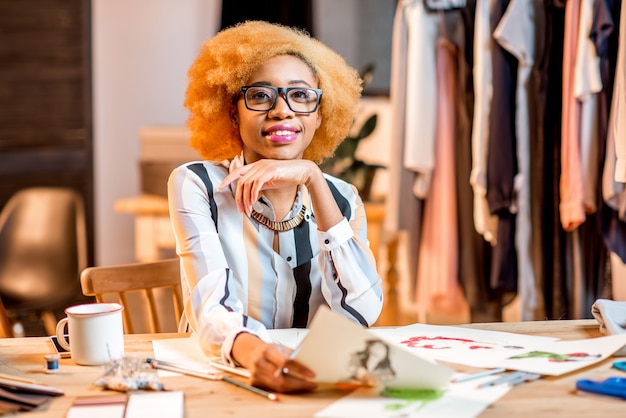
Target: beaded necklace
x=282 y=225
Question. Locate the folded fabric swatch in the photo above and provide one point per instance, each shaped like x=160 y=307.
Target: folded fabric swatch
x=611 y=315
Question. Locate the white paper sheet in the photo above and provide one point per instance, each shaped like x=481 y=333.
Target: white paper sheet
x=290 y=337
x=459 y=400
x=339 y=350
x=469 y=346
x=186 y=352
x=156 y=405
x=562 y=357
x=490 y=349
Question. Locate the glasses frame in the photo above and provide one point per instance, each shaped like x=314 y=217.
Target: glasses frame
x=284 y=91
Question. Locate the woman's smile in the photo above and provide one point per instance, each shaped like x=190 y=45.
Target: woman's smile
x=282 y=134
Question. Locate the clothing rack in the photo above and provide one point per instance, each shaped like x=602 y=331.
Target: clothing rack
x=490 y=190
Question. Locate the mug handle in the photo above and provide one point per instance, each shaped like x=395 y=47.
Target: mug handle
x=61 y=334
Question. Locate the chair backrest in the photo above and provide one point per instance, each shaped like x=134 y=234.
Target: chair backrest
x=43 y=249
x=6 y=330
x=149 y=280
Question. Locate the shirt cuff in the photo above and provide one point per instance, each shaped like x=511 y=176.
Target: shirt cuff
x=227 y=344
x=335 y=236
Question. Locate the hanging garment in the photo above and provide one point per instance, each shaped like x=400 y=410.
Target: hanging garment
x=571 y=189
x=486 y=224
x=403 y=208
x=502 y=159
x=546 y=163
x=437 y=278
x=604 y=34
x=516 y=33
x=421 y=76
x=587 y=83
x=618 y=106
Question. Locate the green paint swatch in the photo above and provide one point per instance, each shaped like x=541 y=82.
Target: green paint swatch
x=412 y=394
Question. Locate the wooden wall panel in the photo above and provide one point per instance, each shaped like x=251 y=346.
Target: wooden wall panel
x=45 y=98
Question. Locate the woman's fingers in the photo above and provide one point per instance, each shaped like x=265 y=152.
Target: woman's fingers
x=289 y=383
x=253 y=178
x=296 y=369
x=277 y=371
x=247 y=188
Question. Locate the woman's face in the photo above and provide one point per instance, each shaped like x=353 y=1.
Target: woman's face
x=279 y=133
x=377 y=351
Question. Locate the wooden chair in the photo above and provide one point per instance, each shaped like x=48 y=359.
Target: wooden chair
x=6 y=329
x=149 y=281
x=43 y=249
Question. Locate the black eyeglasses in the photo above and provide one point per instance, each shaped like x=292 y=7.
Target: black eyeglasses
x=299 y=99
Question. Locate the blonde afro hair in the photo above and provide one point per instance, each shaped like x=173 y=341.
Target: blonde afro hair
x=226 y=62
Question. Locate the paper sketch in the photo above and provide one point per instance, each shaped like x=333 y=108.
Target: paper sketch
x=562 y=357
x=489 y=349
x=467 y=346
x=459 y=400
x=334 y=342
x=371 y=366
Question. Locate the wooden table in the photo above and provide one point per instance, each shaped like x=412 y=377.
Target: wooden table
x=548 y=397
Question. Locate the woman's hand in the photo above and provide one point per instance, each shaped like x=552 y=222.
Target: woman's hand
x=270 y=365
x=261 y=175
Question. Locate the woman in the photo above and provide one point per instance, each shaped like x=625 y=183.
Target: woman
x=265 y=237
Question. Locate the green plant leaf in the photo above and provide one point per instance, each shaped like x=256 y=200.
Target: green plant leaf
x=368 y=127
x=367 y=73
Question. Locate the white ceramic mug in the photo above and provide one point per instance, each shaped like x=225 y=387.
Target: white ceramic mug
x=96 y=333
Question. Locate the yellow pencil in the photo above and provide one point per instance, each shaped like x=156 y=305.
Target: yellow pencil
x=20 y=379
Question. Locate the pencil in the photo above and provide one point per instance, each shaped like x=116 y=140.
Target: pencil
x=526 y=377
x=165 y=365
x=234 y=370
x=478 y=375
x=268 y=395
x=20 y=379
x=507 y=378
x=170 y=367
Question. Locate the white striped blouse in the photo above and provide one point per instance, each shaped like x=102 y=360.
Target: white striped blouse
x=233 y=280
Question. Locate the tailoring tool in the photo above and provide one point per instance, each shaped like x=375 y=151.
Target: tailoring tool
x=620 y=365
x=612 y=386
x=52 y=363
